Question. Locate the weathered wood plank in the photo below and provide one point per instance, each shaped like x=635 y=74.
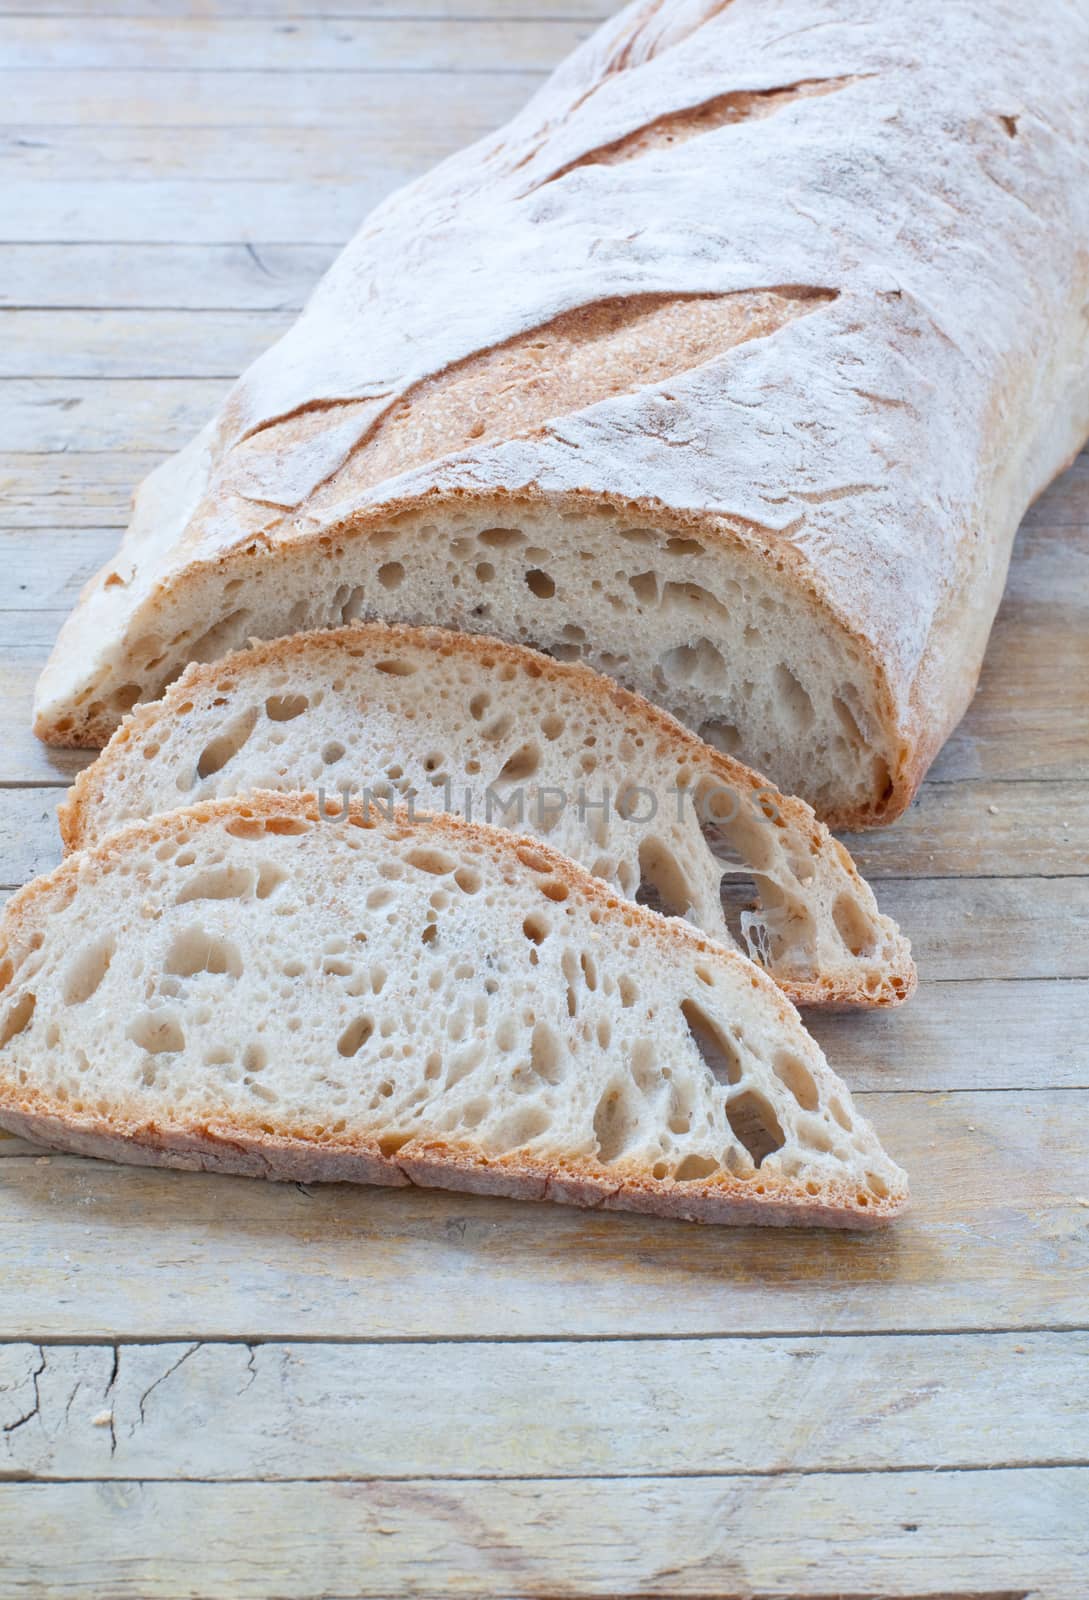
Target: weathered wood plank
x=73 y=489
x=1005 y=1535
x=208 y=154
x=316 y=44
x=644 y=1408
x=446 y=11
x=48 y=567
x=976 y=1034
x=47 y=416
x=462 y=104
x=998 y=1239
x=141 y=344
x=154 y=277
x=150 y=212
x=983 y=828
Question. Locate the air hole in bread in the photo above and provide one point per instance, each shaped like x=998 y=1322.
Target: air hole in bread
x=663 y=884
x=695 y=1167
x=269 y=878
x=700 y=664
x=88 y=970
x=195 y=950
x=644 y=586
x=426 y=859
x=391 y=575
x=215 y=755
x=792 y=1071
x=18 y=1018
x=718 y=1049
x=854 y=927
x=755 y=1124
x=501 y=538
x=254 y=1058
x=536 y=927
x=723 y=736
x=234 y=882
x=615 y=1121
x=157 y=1032
x=355 y=1036
x=286 y=707
x=223 y=636
x=796 y=705
x=540 y=583
x=125 y=698
x=521 y=765
x=396 y=667
x=839 y=1111
x=546 y=1057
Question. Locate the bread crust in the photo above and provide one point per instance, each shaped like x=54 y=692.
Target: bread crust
x=243 y=1146
x=75 y=812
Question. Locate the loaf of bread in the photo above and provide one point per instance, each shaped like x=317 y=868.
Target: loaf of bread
x=499 y=733
x=248 y=986
x=729 y=366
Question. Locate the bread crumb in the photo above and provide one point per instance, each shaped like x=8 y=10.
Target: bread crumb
x=1080 y=1200
x=993 y=810
x=103 y=1420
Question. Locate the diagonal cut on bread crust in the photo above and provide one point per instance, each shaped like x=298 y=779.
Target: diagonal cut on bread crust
x=247 y=986
x=501 y=733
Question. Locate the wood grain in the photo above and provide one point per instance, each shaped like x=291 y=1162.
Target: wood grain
x=146 y=344
x=152 y=277
x=311 y=44
x=618 y=1408
x=992 y=1535
x=463 y=105
x=998 y=1238
x=46 y=416
x=443 y=11
x=212 y=155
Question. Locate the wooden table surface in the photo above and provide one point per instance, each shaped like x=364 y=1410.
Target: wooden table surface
x=213 y=1387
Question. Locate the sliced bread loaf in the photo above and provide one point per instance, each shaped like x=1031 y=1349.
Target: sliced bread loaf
x=730 y=363
x=502 y=734
x=247 y=987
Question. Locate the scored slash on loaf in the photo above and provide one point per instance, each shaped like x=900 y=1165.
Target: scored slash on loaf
x=244 y=987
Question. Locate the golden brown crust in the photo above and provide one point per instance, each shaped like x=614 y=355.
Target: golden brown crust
x=73 y=811
x=249 y=1148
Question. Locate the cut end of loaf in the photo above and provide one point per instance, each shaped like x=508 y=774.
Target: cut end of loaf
x=695 y=622
x=249 y=987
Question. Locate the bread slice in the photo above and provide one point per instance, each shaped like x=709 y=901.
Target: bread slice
x=730 y=365
x=247 y=986
x=502 y=734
